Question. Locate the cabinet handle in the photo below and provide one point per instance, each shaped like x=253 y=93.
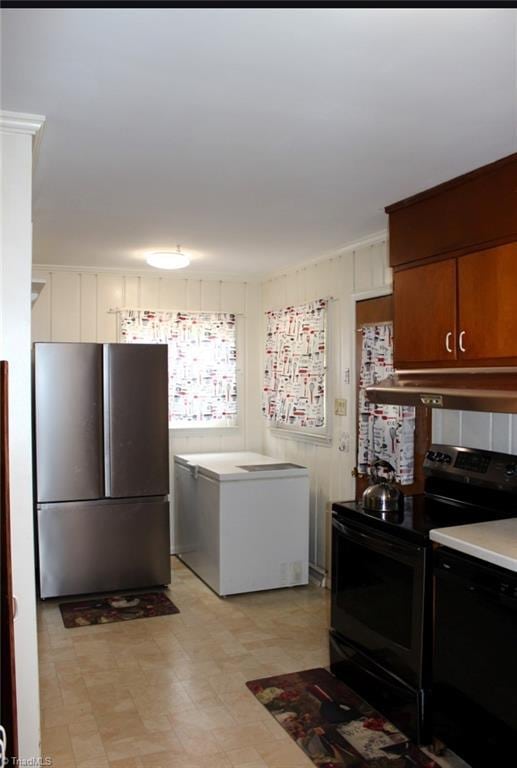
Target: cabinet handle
x=462 y=347
x=448 y=341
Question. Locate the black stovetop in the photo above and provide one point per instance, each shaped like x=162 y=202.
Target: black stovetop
x=462 y=486
x=419 y=515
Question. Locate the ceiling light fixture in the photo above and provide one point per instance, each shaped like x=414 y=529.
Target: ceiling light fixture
x=168 y=259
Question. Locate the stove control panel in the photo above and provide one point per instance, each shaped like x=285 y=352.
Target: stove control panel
x=472 y=465
x=439 y=457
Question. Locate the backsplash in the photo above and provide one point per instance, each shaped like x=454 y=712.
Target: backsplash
x=472 y=429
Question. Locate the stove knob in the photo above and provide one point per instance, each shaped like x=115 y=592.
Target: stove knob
x=430 y=456
x=510 y=470
x=447 y=459
x=440 y=458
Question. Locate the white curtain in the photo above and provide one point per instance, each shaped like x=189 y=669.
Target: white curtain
x=385 y=431
x=295 y=374
x=202 y=362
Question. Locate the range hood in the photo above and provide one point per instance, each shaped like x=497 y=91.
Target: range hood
x=465 y=389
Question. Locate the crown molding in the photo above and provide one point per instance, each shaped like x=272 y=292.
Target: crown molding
x=374 y=239
x=21 y=122
x=178 y=274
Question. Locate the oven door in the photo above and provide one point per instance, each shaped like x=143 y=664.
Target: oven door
x=380 y=590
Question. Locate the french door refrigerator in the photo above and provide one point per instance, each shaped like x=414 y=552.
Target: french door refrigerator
x=102 y=466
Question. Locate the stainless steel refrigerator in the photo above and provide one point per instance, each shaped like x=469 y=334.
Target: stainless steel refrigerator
x=102 y=466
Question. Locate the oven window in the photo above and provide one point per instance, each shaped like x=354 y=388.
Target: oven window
x=375 y=590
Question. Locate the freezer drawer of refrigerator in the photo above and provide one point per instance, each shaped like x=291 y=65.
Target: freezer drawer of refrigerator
x=68 y=421
x=136 y=427
x=88 y=547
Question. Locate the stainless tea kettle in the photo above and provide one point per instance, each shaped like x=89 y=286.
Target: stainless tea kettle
x=382 y=495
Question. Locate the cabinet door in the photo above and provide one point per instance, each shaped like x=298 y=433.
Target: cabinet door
x=425 y=314
x=487 y=283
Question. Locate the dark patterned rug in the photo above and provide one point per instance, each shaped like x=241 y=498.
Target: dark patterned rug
x=105 y=610
x=333 y=725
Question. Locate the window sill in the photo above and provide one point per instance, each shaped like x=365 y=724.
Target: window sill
x=304 y=437
x=204 y=431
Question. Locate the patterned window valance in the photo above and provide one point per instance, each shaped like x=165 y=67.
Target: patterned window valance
x=385 y=431
x=296 y=366
x=202 y=362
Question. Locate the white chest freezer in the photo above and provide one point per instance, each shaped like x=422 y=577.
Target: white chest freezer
x=242 y=520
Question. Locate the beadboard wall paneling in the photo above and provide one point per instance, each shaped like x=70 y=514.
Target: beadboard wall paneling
x=65 y=317
x=353 y=271
x=131 y=291
x=73 y=306
x=110 y=293
x=88 y=327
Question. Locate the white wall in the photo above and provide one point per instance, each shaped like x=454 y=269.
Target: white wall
x=355 y=270
x=73 y=306
x=15 y=318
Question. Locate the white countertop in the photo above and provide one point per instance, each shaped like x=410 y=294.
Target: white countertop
x=229 y=466
x=494 y=541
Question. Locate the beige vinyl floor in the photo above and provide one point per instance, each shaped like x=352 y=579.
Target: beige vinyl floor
x=169 y=692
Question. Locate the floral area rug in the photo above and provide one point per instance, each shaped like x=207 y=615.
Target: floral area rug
x=105 y=610
x=333 y=725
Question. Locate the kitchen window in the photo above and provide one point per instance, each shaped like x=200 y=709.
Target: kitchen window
x=202 y=362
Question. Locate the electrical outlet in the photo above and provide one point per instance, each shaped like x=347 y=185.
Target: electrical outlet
x=340 y=406
x=344 y=442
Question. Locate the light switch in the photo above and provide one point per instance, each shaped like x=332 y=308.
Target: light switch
x=340 y=406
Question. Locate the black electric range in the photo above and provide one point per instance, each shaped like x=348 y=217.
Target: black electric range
x=381 y=610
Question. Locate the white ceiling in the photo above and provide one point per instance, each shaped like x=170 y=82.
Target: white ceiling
x=256 y=138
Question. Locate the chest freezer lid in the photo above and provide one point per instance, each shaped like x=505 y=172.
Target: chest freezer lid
x=240 y=465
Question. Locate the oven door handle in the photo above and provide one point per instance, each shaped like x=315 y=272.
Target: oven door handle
x=378 y=543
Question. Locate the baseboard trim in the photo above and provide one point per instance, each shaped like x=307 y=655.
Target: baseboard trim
x=317 y=575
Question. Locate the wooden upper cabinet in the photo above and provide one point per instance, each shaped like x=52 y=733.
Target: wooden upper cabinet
x=472 y=212
x=425 y=317
x=453 y=249
x=487 y=290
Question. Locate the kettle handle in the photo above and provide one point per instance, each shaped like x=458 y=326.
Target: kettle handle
x=382 y=463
